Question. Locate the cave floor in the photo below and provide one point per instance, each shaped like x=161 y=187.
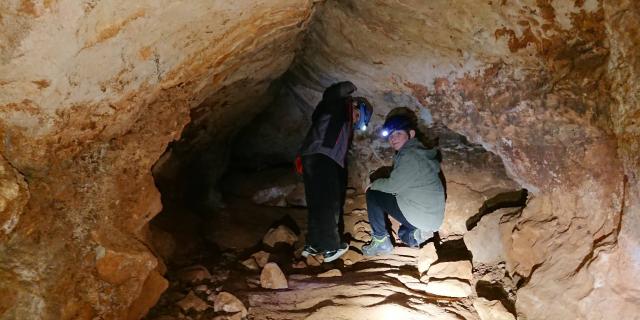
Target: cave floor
x=385 y=287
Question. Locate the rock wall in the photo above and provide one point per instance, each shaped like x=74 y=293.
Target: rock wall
x=91 y=93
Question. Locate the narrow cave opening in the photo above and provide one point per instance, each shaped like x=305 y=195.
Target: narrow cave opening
x=237 y=204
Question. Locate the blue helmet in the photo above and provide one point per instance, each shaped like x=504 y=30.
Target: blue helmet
x=366 y=111
x=397 y=122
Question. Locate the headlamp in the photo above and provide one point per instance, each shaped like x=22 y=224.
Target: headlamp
x=385 y=132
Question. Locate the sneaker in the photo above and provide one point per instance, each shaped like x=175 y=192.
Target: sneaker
x=421 y=236
x=332 y=255
x=378 y=246
x=309 y=251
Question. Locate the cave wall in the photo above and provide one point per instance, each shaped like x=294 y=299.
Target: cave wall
x=91 y=93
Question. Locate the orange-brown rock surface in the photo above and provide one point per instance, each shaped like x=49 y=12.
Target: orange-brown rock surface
x=92 y=92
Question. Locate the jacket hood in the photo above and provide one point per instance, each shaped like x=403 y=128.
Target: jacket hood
x=338 y=90
x=414 y=145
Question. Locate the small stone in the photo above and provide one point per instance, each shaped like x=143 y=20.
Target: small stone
x=191 y=301
x=453 y=269
x=426 y=257
x=194 y=274
x=227 y=302
x=315 y=261
x=299 y=265
x=492 y=310
x=251 y=264
x=281 y=234
x=448 y=288
x=261 y=258
x=331 y=273
x=272 y=277
x=202 y=288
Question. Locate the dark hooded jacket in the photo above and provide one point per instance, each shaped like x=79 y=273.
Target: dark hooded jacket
x=331 y=127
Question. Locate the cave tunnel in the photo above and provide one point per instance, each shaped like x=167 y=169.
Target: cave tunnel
x=146 y=162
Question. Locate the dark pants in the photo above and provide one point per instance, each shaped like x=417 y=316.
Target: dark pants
x=379 y=203
x=325 y=184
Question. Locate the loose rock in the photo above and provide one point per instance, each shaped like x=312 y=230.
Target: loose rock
x=194 y=274
x=191 y=301
x=272 y=277
x=261 y=258
x=281 y=234
x=251 y=264
x=227 y=302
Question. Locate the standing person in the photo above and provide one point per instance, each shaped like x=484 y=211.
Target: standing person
x=412 y=194
x=324 y=155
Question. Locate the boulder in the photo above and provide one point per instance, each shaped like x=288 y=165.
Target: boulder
x=272 y=277
x=227 y=302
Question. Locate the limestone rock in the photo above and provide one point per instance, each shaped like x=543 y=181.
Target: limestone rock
x=426 y=257
x=193 y=274
x=261 y=258
x=331 y=273
x=351 y=257
x=14 y=195
x=491 y=310
x=272 y=277
x=191 y=301
x=448 y=288
x=275 y=196
x=485 y=240
x=299 y=265
x=314 y=261
x=281 y=234
x=453 y=269
x=251 y=264
x=297 y=196
x=227 y=302
x=152 y=288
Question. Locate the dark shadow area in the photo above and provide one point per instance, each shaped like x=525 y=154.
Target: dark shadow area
x=511 y=199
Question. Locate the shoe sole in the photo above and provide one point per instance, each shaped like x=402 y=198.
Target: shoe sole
x=338 y=254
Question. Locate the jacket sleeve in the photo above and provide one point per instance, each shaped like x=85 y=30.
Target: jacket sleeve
x=403 y=172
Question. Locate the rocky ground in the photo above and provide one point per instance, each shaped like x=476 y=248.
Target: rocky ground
x=270 y=280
